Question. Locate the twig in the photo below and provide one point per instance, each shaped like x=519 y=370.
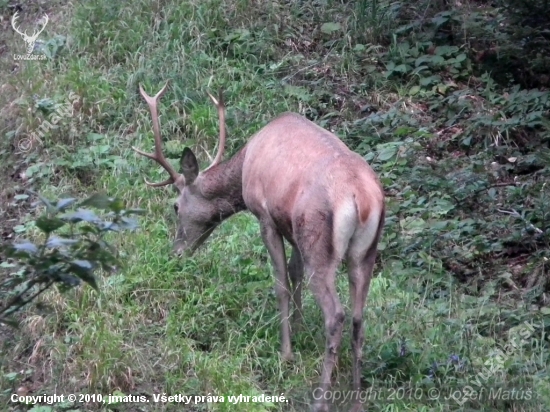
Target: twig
x=19 y=301
x=515 y=214
x=475 y=192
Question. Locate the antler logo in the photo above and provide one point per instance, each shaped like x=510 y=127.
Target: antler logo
x=30 y=40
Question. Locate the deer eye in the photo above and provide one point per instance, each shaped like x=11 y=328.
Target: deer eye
x=176 y=208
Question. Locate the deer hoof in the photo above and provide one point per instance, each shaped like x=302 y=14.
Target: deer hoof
x=357 y=408
x=297 y=325
x=287 y=357
x=319 y=407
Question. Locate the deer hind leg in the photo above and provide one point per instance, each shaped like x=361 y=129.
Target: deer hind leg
x=360 y=273
x=275 y=246
x=321 y=282
x=296 y=274
x=360 y=268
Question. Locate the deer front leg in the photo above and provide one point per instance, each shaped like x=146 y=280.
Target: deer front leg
x=275 y=246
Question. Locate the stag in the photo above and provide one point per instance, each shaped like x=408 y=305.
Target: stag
x=30 y=40
x=304 y=185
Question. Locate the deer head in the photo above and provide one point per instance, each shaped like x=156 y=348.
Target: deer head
x=30 y=40
x=197 y=213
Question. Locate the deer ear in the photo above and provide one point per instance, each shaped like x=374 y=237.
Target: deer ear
x=189 y=166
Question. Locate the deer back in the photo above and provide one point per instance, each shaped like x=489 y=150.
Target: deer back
x=298 y=174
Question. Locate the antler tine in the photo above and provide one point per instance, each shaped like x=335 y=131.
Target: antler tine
x=46 y=19
x=157 y=155
x=13 y=20
x=218 y=102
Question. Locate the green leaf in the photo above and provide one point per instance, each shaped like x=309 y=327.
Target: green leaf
x=426 y=81
x=46 y=202
x=299 y=92
x=95 y=136
x=103 y=149
x=84 y=264
x=27 y=247
x=460 y=58
x=11 y=376
x=402 y=68
x=55 y=241
x=403 y=131
x=445 y=50
x=437 y=60
x=118 y=394
x=387 y=153
x=49 y=224
x=83 y=269
x=65 y=203
x=425 y=58
x=68 y=281
x=87 y=229
x=441 y=89
x=10 y=322
x=116 y=205
x=439 y=20
x=331 y=27
x=99 y=200
x=135 y=211
x=414 y=90
x=81 y=215
x=19 y=228
x=128 y=223
x=41 y=408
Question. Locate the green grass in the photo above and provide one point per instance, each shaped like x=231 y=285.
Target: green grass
x=209 y=324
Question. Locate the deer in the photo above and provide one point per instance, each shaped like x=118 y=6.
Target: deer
x=29 y=40
x=303 y=184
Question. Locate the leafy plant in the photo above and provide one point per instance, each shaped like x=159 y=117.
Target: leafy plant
x=73 y=247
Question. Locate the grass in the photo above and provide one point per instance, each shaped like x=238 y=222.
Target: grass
x=209 y=325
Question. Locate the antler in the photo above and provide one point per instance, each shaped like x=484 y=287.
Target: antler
x=25 y=35
x=46 y=19
x=221 y=114
x=157 y=156
x=13 y=19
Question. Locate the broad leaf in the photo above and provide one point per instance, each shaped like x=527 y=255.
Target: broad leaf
x=65 y=203
x=84 y=270
x=49 y=224
x=81 y=215
x=329 y=28
x=27 y=247
x=55 y=241
x=99 y=200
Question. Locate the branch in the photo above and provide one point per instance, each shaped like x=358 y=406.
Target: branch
x=515 y=214
x=475 y=192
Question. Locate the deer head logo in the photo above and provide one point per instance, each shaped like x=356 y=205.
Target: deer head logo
x=30 y=40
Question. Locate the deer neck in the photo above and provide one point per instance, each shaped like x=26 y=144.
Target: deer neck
x=223 y=185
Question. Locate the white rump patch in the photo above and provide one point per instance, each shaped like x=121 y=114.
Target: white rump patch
x=364 y=235
x=345 y=224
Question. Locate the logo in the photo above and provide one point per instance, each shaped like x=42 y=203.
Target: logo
x=29 y=40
